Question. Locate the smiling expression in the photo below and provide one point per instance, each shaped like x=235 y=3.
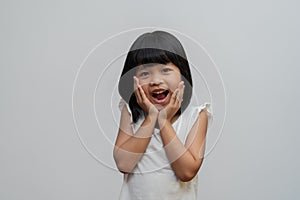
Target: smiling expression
x=159 y=81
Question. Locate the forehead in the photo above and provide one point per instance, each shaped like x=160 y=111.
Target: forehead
x=144 y=66
x=156 y=66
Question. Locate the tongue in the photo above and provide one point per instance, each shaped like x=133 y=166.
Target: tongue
x=160 y=96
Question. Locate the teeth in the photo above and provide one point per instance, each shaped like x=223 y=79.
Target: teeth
x=158 y=92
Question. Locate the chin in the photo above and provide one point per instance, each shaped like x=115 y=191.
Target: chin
x=159 y=107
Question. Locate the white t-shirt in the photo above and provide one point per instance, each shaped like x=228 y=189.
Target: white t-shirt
x=153 y=177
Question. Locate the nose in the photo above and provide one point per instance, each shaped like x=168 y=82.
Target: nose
x=156 y=80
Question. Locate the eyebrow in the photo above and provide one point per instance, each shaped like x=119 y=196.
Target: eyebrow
x=140 y=67
x=143 y=66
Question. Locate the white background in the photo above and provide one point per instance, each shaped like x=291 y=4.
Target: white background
x=254 y=43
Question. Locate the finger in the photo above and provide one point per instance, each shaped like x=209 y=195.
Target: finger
x=181 y=92
x=143 y=95
x=137 y=81
x=138 y=95
x=178 y=93
x=174 y=97
x=178 y=97
x=140 y=89
x=134 y=83
x=136 y=91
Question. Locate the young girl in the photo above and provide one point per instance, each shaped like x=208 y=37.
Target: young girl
x=161 y=140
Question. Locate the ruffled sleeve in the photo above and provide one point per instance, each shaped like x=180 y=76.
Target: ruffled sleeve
x=207 y=108
x=123 y=103
x=135 y=126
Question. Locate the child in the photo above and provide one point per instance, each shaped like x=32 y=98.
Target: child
x=161 y=140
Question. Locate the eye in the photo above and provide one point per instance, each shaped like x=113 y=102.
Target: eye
x=166 y=69
x=143 y=74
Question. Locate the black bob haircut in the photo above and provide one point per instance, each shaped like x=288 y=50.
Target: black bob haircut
x=153 y=48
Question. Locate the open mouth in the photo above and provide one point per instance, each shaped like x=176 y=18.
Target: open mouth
x=160 y=96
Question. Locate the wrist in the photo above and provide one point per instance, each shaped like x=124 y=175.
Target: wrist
x=152 y=111
x=162 y=121
x=153 y=115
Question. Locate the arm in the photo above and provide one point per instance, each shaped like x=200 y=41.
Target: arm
x=185 y=159
x=130 y=147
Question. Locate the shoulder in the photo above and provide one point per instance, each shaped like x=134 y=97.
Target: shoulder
x=124 y=107
x=125 y=118
x=201 y=113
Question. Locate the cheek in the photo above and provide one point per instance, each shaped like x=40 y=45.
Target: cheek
x=145 y=88
x=143 y=82
x=173 y=83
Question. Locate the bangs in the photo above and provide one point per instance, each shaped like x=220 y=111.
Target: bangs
x=150 y=55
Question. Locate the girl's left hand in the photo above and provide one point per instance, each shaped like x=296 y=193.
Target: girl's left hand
x=175 y=103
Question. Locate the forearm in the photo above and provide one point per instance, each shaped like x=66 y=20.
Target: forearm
x=130 y=152
x=183 y=162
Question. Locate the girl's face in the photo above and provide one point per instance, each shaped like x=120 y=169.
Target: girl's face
x=159 y=81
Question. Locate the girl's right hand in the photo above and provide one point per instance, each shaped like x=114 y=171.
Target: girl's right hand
x=142 y=99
